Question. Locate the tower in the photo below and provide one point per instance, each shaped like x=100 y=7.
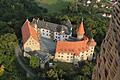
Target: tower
x=29 y=37
x=81 y=32
x=108 y=63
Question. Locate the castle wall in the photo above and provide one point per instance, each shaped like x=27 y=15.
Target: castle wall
x=70 y=57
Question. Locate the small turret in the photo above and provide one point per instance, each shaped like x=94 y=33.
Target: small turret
x=80 y=32
x=34 y=24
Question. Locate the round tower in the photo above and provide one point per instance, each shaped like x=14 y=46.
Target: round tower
x=80 y=32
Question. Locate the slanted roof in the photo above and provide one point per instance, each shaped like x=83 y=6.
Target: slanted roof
x=81 y=29
x=92 y=42
x=27 y=31
x=72 y=47
x=75 y=47
x=51 y=26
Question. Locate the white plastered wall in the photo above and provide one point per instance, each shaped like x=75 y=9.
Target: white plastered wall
x=31 y=45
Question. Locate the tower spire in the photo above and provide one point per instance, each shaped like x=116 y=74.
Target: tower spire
x=81 y=29
x=81 y=32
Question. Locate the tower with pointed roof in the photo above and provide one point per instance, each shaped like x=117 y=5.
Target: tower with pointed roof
x=80 y=31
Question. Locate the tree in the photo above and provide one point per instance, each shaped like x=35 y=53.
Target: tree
x=34 y=62
x=7 y=44
x=55 y=74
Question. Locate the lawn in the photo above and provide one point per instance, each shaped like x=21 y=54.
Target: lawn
x=53 y=5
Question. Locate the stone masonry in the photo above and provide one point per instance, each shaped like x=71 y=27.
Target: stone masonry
x=108 y=62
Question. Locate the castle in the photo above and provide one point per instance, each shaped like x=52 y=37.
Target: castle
x=66 y=51
x=75 y=51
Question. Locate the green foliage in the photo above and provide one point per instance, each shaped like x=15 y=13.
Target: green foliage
x=55 y=74
x=34 y=62
x=7 y=44
x=14 y=12
x=53 y=6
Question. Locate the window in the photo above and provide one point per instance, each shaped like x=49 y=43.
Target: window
x=104 y=59
x=61 y=56
x=67 y=56
x=67 y=53
x=43 y=30
x=58 y=55
x=67 y=59
x=116 y=64
x=71 y=57
x=92 y=48
x=117 y=10
x=99 y=76
x=43 y=33
x=106 y=73
x=98 y=64
x=46 y=34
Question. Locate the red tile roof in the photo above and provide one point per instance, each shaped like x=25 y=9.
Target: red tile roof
x=27 y=31
x=92 y=42
x=74 y=47
x=81 y=29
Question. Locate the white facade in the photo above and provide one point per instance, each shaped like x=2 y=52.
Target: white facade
x=56 y=35
x=70 y=57
x=31 y=45
x=59 y=36
x=45 y=33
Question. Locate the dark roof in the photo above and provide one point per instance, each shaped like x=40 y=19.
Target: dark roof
x=51 y=26
x=44 y=45
x=44 y=56
x=73 y=39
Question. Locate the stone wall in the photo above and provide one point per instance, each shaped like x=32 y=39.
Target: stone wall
x=108 y=62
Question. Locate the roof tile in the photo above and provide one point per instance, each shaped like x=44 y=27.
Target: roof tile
x=27 y=31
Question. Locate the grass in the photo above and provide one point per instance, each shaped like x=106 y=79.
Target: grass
x=53 y=5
